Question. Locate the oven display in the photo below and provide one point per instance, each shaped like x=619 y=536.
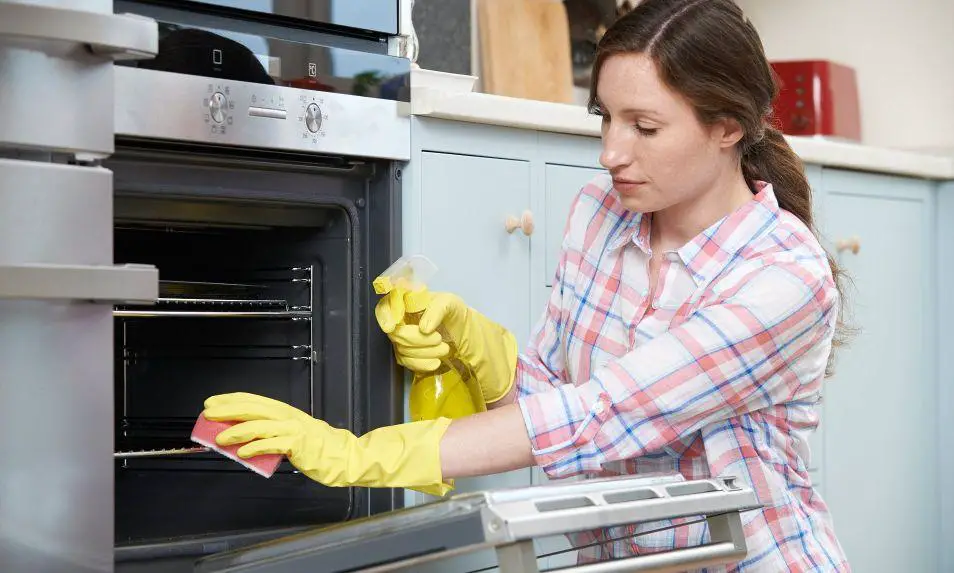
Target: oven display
x=229 y=55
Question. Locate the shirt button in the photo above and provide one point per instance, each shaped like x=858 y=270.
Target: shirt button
x=598 y=408
x=672 y=256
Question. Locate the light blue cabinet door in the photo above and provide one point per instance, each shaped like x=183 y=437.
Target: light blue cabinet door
x=945 y=370
x=465 y=202
x=563 y=183
x=880 y=455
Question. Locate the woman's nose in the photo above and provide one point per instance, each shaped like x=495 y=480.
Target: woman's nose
x=615 y=152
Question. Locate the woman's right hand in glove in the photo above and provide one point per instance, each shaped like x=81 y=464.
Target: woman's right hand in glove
x=489 y=349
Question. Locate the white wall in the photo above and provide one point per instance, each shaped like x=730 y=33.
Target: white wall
x=902 y=52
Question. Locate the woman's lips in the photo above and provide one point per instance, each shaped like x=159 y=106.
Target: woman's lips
x=627 y=186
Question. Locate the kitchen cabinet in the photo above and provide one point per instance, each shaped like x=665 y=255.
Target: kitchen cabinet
x=466 y=201
x=459 y=191
x=878 y=457
x=463 y=184
x=568 y=163
x=944 y=271
x=879 y=414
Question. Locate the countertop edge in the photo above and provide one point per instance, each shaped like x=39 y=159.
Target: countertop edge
x=488 y=109
x=504 y=111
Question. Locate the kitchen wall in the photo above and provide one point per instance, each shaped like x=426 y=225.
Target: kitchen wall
x=902 y=52
x=444 y=33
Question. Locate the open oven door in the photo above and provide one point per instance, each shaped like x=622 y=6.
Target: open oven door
x=421 y=539
x=57 y=280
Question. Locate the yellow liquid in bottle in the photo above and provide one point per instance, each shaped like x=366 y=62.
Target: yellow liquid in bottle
x=448 y=392
x=441 y=394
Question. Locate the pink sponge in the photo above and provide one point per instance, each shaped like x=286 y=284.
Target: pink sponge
x=205 y=431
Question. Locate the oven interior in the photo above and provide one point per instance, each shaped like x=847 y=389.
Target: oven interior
x=259 y=292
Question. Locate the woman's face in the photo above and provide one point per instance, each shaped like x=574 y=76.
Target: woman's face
x=654 y=146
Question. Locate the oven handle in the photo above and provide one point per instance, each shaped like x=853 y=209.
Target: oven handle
x=97 y=283
x=673 y=561
x=119 y=37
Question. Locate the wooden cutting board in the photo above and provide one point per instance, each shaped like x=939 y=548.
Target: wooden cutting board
x=525 y=49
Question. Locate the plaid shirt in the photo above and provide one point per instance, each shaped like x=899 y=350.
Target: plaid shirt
x=719 y=374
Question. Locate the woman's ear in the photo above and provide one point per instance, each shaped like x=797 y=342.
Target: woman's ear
x=727 y=132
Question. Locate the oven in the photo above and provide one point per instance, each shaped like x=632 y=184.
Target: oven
x=264 y=266
x=256 y=166
x=260 y=174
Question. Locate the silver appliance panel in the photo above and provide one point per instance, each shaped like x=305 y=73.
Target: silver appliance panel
x=170 y=106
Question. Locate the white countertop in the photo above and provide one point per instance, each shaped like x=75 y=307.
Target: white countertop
x=573 y=119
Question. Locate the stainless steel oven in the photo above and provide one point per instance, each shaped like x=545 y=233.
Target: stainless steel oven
x=260 y=175
x=254 y=170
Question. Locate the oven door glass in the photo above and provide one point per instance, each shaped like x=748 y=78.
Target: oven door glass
x=375 y=15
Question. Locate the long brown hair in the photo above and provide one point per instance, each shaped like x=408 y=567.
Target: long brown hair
x=708 y=51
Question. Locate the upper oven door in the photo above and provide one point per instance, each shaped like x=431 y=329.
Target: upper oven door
x=222 y=87
x=374 y=15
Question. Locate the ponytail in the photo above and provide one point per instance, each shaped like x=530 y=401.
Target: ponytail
x=771 y=159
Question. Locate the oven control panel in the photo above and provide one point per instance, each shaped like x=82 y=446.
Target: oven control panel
x=168 y=106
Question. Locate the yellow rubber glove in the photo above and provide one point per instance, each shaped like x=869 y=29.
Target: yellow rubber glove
x=489 y=349
x=406 y=455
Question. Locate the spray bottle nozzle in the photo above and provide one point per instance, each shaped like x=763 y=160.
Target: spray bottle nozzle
x=410 y=272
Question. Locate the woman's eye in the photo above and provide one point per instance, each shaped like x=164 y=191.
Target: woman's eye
x=647 y=131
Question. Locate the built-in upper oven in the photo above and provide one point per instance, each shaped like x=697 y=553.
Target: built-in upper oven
x=229 y=81
x=359 y=15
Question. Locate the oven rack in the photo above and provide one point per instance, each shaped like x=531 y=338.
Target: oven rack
x=213 y=299
x=157 y=438
x=221 y=352
x=261 y=294
x=159 y=453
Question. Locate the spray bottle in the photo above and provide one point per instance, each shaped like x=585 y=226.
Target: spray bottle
x=451 y=391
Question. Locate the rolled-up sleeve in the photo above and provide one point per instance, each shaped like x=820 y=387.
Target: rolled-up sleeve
x=757 y=346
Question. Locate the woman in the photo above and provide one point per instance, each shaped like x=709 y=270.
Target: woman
x=689 y=328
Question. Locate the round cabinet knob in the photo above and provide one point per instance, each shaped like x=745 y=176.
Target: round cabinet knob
x=217 y=106
x=313 y=117
x=853 y=244
x=524 y=223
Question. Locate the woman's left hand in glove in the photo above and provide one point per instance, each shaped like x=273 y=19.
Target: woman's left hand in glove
x=405 y=455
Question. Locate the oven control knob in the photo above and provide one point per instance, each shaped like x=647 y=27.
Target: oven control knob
x=313 y=117
x=217 y=106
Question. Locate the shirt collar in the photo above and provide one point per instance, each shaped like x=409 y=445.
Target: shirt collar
x=635 y=229
x=711 y=251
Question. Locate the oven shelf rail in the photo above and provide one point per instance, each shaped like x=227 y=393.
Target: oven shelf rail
x=184 y=451
x=204 y=299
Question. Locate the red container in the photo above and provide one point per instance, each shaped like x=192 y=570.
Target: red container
x=818 y=97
